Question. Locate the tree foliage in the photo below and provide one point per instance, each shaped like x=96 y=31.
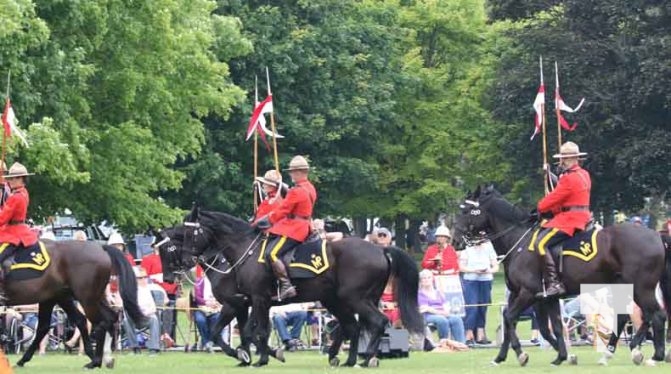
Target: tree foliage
x=613 y=54
x=113 y=93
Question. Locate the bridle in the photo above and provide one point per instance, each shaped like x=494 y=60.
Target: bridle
x=198 y=230
x=469 y=239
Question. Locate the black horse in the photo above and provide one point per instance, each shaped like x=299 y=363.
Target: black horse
x=627 y=254
x=175 y=261
x=353 y=283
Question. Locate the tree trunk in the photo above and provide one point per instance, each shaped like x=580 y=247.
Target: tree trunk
x=399 y=229
x=414 y=244
x=360 y=226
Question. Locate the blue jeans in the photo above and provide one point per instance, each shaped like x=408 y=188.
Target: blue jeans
x=205 y=324
x=447 y=325
x=294 y=319
x=476 y=292
x=154 y=332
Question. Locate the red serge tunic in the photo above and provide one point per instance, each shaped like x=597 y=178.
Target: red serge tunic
x=13 y=228
x=569 y=201
x=292 y=217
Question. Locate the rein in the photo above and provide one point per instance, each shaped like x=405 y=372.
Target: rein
x=516 y=243
x=248 y=252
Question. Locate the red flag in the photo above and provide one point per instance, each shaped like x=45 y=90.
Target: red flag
x=254 y=122
x=538 y=103
x=561 y=105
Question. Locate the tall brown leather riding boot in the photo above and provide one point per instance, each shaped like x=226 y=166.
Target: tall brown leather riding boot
x=287 y=290
x=553 y=287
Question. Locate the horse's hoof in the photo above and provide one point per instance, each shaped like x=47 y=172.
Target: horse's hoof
x=650 y=362
x=523 y=358
x=279 y=355
x=667 y=358
x=374 y=362
x=602 y=361
x=498 y=359
x=109 y=363
x=572 y=359
x=92 y=365
x=556 y=362
x=243 y=356
x=258 y=364
x=334 y=362
x=20 y=363
x=493 y=363
x=637 y=356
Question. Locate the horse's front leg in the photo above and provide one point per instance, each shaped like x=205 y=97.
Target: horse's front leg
x=516 y=304
x=261 y=320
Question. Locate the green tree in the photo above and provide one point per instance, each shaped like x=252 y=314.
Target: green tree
x=115 y=92
x=612 y=54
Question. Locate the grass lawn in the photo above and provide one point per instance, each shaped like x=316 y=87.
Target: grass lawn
x=473 y=361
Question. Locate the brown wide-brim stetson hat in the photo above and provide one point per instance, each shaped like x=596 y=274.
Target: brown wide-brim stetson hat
x=298 y=163
x=17 y=170
x=568 y=150
x=271 y=177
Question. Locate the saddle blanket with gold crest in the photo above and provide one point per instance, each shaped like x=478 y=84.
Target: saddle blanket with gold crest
x=307 y=260
x=582 y=245
x=28 y=262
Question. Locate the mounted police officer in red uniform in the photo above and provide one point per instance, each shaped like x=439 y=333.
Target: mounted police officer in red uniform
x=14 y=232
x=569 y=205
x=289 y=223
x=271 y=183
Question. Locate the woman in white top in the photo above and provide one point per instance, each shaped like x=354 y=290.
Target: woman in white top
x=478 y=264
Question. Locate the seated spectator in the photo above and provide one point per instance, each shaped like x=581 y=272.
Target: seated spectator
x=436 y=311
x=381 y=236
x=116 y=241
x=319 y=227
x=148 y=307
x=441 y=256
x=478 y=263
x=151 y=263
x=389 y=306
x=294 y=315
x=207 y=314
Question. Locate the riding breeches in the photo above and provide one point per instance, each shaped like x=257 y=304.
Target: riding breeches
x=548 y=238
x=277 y=246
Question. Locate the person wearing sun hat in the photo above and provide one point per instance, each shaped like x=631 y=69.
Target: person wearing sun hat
x=289 y=223
x=569 y=204
x=441 y=256
x=14 y=232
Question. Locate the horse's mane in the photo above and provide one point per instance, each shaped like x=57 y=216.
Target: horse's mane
x=500 y=207
x=229 y=223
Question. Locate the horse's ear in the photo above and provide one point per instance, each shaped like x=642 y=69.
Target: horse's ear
x=477 y=192
x=193 y=214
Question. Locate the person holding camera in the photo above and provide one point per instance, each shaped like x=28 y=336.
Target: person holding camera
x=478 y=264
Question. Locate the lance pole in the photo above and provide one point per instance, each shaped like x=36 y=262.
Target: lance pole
x=557 y=110
x=546 y=171
x=272 y=124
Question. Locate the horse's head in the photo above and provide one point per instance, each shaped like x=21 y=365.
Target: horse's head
x=214 y=231
x=473 y=221
x=174 y=258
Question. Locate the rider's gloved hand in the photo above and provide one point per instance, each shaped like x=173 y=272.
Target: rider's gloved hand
x=262 y=223
x=534 y=216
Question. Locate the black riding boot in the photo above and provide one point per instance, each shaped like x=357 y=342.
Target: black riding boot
x=287 y=290
x=553 y=287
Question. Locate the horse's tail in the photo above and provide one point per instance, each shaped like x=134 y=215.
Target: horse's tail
x=406 y=285
x=127 y=284
x=665 y=282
